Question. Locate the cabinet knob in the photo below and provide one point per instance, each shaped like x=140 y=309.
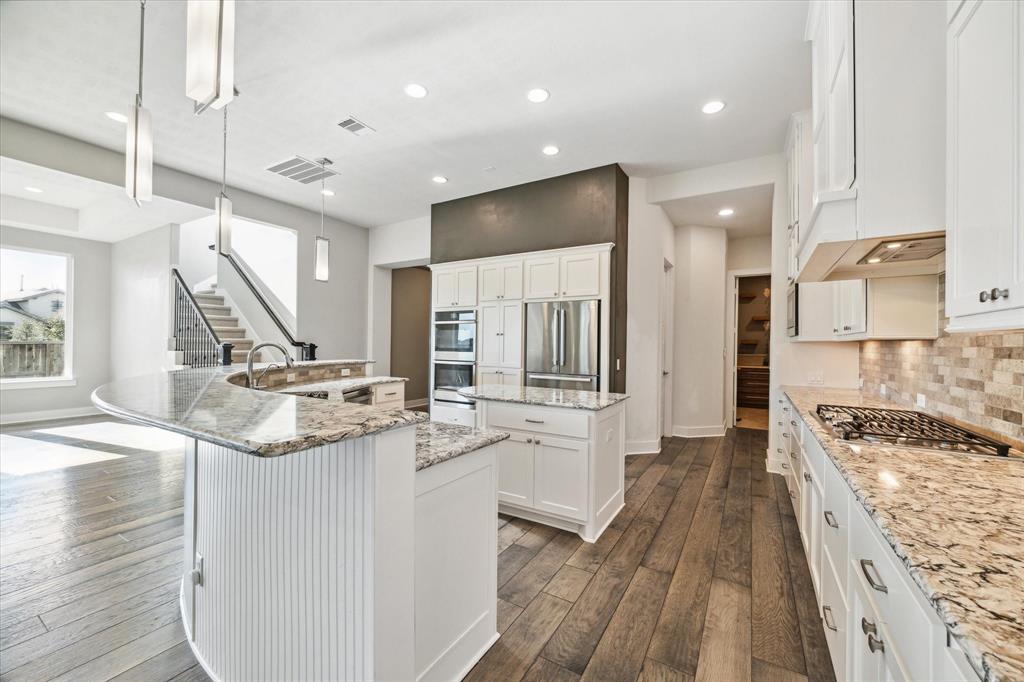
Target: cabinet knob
x=537 y=441
x=807 y=477
x=834 y=330
x=997 y=293
x=983 y=296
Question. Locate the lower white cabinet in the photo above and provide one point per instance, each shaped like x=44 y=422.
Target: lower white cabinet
x=515 y=469
x=495 y=376
x=887 y=308
x=560 y=476
x=389 y=396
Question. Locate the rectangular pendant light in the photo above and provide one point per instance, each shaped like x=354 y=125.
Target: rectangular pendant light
x=321 y=264
x=222 y=207
x=138 y=163
x=210 y=53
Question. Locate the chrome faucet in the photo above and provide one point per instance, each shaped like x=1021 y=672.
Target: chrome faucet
x=249 y=381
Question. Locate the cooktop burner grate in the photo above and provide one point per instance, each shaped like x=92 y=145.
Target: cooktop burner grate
x=906 y=427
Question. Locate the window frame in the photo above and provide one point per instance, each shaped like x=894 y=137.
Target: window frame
x=68 y=377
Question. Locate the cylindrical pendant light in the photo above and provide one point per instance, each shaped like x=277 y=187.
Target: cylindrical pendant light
x=221 y=204
x=210 y=53
x=322 y=252
x=138 y=148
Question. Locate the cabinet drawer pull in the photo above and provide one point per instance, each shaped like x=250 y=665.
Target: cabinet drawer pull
x=792 y=494
x=807 y=477
x=778 y=450
x=784 y=465
x=875 y=645
x=865 y=565
x=785 y=409
x=529 y=440
x=792 y=422
x=830 y=621
x=392 y=393
x=534 y=421
x=830 y=519
x=867 y=627
x=536 y=441
x=785 y=434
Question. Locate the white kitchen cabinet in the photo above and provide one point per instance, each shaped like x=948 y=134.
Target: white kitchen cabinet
x=886 y=308
x=389 y=396
x=501 y=281
x=515 y=469
x=850 y=307
x=839 y=108
x=496 y=376
x=811 y=498
x=455 y=288
x=501 y=334
x=560 y=476
x=835 y=618
x=985 y=166
x=541 y=277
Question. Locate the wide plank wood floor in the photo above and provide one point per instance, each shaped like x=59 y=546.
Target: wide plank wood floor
x=702 y=575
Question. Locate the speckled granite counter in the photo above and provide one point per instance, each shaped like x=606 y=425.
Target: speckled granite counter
x=548 y=397
x=201 y=403
x=438 y=442
x=955 y=521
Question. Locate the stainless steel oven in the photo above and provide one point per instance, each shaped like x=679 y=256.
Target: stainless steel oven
x=449 y=377
x=455 y=335
x=793 y=310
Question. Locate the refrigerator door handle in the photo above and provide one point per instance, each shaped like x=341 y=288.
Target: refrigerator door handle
x=561 y=337
x=559 y=377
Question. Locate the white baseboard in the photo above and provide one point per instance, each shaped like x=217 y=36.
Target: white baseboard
x=47 y=415
x=643 y=447
x=416 y=403
x=698 y=431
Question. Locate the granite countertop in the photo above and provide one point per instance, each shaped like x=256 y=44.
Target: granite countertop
x=547 y=397
x=335 y=387
x=438 y=442
x=956 y=523
x=201 y=403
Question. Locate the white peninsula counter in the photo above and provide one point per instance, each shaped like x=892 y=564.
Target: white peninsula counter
x=324 y=539
x=564 y=464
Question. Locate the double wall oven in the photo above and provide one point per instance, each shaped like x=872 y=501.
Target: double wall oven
x=455 y=341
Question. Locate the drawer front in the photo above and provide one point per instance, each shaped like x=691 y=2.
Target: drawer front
x=391 y=405
x=814 y=453
x=834 y=618
x=453 y=415
x=890 y=590
x=553 y=420
x=386 y=393
x=835 y=522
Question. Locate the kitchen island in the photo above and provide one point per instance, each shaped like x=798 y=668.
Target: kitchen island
x=564 y=463
x=309 y=524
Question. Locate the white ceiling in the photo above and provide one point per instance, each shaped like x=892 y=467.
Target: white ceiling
x=752 y=208
x=627 y=82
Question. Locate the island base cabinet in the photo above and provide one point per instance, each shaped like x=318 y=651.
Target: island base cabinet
x=515 y=469
x=560 y=477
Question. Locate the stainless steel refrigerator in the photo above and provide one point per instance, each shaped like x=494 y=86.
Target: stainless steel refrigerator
x=562 y=349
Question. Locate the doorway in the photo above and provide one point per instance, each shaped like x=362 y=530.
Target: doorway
x=410 y=333
x=751 y=371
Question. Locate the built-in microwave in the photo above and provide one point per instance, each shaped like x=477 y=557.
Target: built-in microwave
x=455 y=335
x=449 y=377
x=793 y=310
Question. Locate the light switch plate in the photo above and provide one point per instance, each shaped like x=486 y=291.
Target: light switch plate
x=921 y=402
x=290 y=377
x=883 y=389
x=346 y=372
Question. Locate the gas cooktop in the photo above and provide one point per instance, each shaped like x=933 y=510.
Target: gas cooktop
x=906 y=428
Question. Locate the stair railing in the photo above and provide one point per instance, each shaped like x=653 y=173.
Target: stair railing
x=194 y=336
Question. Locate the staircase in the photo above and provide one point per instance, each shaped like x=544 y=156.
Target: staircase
x=225 y=325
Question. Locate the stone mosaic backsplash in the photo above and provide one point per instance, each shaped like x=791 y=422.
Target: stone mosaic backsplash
x=974 y=379
x=305 y=373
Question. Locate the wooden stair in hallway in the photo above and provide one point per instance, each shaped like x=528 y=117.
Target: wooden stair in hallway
x=218 y=313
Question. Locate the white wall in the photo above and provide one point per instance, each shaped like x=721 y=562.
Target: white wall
x=699 y=370
x=90 y=328
x=749 y=253
x=196 y=261
x=651 y=243
x=140 y=300
x=272 y=253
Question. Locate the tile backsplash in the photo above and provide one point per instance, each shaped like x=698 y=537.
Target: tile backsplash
x=976 y=379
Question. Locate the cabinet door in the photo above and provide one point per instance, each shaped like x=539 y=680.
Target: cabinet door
x=489 y=376
x=560 y=476
x=511 y=334
x=490 y=334
x=840 y=94
x=515 y=470
x=511 y=378
x=810 y=523
x=864 y=664
x=445 y=289
x=541 y=277
x=985 y=157
x=465 y=282
x=581 y=275
x=491 y=282
x=850 y=307
x=512 y=280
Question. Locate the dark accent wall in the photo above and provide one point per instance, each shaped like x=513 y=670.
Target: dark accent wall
x=410 y=329
x=587 y=207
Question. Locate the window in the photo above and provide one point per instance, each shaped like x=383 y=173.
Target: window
x=34 y=320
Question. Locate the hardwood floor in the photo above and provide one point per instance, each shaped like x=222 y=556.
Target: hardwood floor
x=752 y=418
x=701 y=576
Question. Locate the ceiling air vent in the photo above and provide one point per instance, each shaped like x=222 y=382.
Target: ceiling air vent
x=301 y=170
x=356 y=127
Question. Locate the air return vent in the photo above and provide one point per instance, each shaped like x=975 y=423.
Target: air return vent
x=356 y=127
x=301 y=170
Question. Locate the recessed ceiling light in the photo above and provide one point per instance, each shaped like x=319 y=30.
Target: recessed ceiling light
x=415 y=90
x=894 y=245
x=538 y=95
x=726 y=212
x=440 y=179
x=327 y=192
x=713 y=107
x=874 y=260
x=34 y=190
x=117 y=116
x=550 y=150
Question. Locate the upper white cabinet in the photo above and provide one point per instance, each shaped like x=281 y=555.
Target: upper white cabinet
x=850 y=307
x=886 y=308
x=577 y=274
x=501 y=281
x=877 y=143
x=501 y=334
x=455 y=287
x=985 y=166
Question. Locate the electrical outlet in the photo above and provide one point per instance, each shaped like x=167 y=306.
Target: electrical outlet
x=346 y=372
x=883 y=389
x=290 y=377
x=862 y=382
x=921 y=400
x=815 y=379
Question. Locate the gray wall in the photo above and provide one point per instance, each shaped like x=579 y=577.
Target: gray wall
x=410 y=329
x=587 y=207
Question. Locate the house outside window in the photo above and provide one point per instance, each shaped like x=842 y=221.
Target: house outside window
x=35 y=343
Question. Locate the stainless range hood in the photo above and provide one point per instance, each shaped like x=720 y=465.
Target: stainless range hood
x=891 y=256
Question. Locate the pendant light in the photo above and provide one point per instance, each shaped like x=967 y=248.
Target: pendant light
x=322 y=253
x=221 y=204
x=210 y=53
x=138 y=149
